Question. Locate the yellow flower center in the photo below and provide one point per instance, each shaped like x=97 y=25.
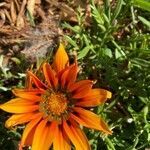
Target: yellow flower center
x=54 y=105
x=57 y=103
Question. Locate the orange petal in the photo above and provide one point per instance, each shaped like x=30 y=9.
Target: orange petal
x=29 y=129
x=76 y=135
x=79 y=84
x=39 y=134
x=60 y=141
x=28 y=82
x=49 y=136
x=72 y=75
x=81 y=88
x=29 y=139
x=50 y=75
x=89 y=119
x=63 y=76
x=39 y=84
x=20 y=119
x=68 y=76
x=61 y=59
x=28 y=94
x=30 y=91
x=19 y=105
x=94 y=97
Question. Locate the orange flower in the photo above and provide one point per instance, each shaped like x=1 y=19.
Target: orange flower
x=55 y=109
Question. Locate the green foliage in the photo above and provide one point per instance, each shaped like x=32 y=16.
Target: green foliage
x=115 y=51
x=144 y=4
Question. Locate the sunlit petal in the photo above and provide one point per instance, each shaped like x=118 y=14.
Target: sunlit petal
x=89 y=119
x=29 y=139
x=60 y=141
x=27 y=94
x=76 y=135
x=61 y=59
x=81 y=88
x=20 y=119
x=19 y=105
x=29 y=128
x=39 y=133
x=94 y=97
x=49 y=136
x=79 y=84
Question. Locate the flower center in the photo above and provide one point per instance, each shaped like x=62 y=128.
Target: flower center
x=54 y=105
x=57 y=103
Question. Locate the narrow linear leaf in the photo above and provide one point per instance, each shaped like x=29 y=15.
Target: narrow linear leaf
x=142 y=4
x=97 y=15
x=110 y=144
x=107 y=8
x=117 y=10
x=72 y=42
x=144 y=21
x=87 y=41
x=141 y=62
x=84 y=52
x=75 y=29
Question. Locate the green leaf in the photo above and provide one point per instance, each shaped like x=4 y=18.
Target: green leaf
x=144 y=21
x=119 y=53
x=75 y=29
x=16 y=60
x=107 y=7
x=84 y=52
x=107 y=52
x=142 y=4
x=145 y=113
x=71 y=41
x=110 y=145
x=97 y=15
x=87 y=41
x=117 y=9
x=141 y=62
x=106 y=18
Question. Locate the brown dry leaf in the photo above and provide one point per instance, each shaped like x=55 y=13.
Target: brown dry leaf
x=8 y=15
x=2 y=4
x=20 y=19
x=2 y=18
x=81 y=3
x=17 y=5
x=41 y=13
x=66 y=12
x=13 y=12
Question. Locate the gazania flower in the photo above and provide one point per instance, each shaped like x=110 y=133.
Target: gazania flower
x=54 y=107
